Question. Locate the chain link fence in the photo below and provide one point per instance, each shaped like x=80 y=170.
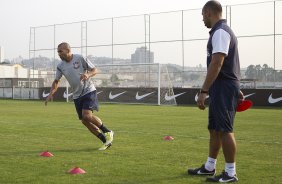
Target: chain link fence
x=177 y=39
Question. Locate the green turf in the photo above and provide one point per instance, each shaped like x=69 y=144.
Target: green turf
x=138 y=155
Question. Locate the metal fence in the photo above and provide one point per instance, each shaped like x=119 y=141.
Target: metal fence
x=19 y=93
x=177 y=38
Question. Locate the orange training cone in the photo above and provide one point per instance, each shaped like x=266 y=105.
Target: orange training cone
x=76 y=170
x=168 y=138
x=46 y=154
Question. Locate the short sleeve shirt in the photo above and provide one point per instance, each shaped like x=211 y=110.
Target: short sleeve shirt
x=72 y=71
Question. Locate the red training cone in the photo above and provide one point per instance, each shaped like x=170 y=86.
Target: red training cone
x=76 y=170
x=46 y=154
x=168 y=138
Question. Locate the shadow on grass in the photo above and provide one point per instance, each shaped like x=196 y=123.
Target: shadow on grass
x=181 y=178
x=195 y=179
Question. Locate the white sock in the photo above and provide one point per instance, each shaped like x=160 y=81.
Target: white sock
x=210 y=164
x=230 y=169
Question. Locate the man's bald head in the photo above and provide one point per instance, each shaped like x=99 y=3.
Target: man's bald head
x=213 y=6
x=64 y=45
x=212 y=12
x=64 y=51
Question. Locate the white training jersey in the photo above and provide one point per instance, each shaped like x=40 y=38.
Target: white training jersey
x=72 y=71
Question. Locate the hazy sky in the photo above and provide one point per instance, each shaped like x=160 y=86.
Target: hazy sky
x=17 y=16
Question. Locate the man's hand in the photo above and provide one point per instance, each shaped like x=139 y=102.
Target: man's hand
x=241 y=95
x=201 y=100
x=84 y=76
x=49 y=98
x=53 y=90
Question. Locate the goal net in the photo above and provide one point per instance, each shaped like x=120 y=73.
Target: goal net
x=134 y=83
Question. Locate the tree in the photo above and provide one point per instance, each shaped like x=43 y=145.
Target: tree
x=194 y=76
x=268 y=73
x=6 y=61
x=278 y=76
x=104 y=83
x=251 y=72
x=264 y=73
x=114 y=78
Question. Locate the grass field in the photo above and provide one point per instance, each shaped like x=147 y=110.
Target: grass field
x=139 y=155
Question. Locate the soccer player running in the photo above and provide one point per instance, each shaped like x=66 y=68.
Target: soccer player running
x=78 y=72
x=222 y=86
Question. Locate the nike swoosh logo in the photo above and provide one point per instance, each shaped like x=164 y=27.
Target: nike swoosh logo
x=200 y=173
x=273 y=100
x=168 y=98
x=116 y=95
x=67 y=95
x=99 y=92
x=139 y=97
x=225 y=181
x=246 y=96
x=44 y=95
x=197 y=96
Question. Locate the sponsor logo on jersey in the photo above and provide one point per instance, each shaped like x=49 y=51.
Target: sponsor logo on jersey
x=208 y=53
x=76 y=64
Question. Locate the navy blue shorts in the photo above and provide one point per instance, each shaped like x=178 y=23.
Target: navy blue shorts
x=87 y=102
x=224 y=96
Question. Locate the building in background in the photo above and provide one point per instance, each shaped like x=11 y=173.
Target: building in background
x=18 y=76
x=142 y=55
x=1 y=54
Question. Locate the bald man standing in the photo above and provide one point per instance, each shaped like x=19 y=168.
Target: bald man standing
x=222 y=86
x=78 y=71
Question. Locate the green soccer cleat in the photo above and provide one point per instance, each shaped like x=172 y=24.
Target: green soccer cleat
x=104 y=147
x=109 y=137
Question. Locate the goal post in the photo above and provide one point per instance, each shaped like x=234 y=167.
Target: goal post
x=134 y=83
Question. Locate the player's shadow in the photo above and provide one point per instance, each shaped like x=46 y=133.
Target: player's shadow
x=168 y=179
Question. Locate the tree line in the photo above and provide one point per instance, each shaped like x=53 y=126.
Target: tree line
x=263 y=73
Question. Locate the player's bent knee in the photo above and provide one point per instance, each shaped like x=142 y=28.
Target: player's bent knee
x=86 y=118
x=84 y=122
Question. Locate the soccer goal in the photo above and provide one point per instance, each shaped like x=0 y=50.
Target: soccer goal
x=144 y=83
